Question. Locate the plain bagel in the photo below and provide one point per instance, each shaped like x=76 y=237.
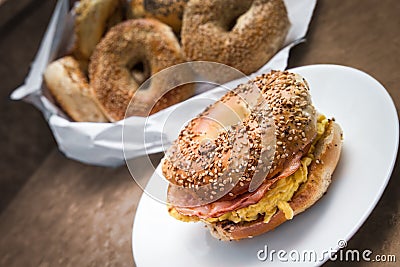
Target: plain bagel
x=69 y=86
x=128 y=55
x=243 y=34
x=93 y=18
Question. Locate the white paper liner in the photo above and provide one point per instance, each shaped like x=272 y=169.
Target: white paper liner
x=101 y=143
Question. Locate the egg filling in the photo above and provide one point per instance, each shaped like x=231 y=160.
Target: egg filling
x=275 y=199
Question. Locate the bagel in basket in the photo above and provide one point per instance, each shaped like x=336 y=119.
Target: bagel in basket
x=68 y=84
x=169 y=12
x=92 y=20
x=127 y=56
x=243 y=34
x=218 y=156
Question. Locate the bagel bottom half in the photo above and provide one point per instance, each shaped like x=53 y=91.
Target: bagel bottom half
x=326 y=156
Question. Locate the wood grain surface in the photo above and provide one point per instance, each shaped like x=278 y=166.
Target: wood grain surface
x=71 y=214
x=10 y=9
x=25 y=138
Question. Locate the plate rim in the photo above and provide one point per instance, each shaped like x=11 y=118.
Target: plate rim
x=382 y=189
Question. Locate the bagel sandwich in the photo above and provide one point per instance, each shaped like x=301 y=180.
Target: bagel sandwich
x=252 y=161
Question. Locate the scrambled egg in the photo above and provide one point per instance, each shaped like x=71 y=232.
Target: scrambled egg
x=276 y=198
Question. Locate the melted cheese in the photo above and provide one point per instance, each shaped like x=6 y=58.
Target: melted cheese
x=277 y=198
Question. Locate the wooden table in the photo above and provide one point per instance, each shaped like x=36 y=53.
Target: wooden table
x=71 y=214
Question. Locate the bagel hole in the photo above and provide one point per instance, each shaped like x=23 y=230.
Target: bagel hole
x=140 y=72
x=232 y=23
x=235 y=14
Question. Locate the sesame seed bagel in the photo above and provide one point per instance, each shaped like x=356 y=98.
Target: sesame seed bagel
x=243 y=34
x=205 y=153
x=93 y=18
x=116 y=77
x=68 y=84
x=327 y=153
x=169 y=12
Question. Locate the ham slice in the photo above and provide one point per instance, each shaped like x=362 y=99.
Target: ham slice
x=220 y=207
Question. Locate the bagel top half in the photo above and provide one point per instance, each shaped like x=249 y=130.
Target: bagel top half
x=203 y=152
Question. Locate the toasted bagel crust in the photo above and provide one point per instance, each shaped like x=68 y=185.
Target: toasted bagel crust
x=327 y=155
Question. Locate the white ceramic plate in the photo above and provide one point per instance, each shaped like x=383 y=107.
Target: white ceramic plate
x=369 y=120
